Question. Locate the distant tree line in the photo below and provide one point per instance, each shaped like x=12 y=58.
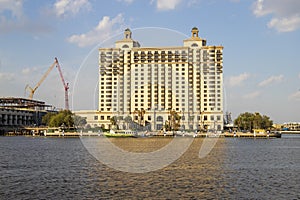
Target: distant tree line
x=63 y=118
x=249 y=121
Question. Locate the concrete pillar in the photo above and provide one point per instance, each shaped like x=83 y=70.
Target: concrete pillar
x=5 y=117
x=9 y=121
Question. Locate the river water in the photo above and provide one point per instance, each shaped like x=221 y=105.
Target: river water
x=236 y=168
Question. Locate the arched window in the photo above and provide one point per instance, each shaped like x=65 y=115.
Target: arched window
x=125 y=46
x=159 y=119
x=194 y=45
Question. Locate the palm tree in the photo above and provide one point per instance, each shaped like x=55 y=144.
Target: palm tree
x=174 y=120
x=113 y=120
x=140 y=114
x=128 y=120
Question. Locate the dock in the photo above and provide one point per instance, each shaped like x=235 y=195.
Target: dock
x=71 y=134
x=252 y=135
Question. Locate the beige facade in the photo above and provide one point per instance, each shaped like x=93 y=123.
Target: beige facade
x=91 y=116
x=186 y=79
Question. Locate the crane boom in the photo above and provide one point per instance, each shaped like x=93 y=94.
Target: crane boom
x=32 y=90
x=66 y=85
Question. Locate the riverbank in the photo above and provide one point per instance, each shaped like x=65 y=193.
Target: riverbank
x=150 y=134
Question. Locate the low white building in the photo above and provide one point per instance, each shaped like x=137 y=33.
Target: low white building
x=92 y=117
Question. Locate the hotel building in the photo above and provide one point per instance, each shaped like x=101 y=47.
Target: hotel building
x=186 y=79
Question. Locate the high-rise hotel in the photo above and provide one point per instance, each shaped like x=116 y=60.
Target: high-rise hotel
x=156 y=81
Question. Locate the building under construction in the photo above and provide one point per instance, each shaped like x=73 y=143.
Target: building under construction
x=17 y=113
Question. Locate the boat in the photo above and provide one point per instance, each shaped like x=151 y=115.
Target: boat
x=121 y=133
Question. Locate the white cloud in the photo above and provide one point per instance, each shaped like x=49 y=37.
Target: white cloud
x=285 y=24
x=105 y=28
x=167 y=4
x=237 y=80
x=29 y=71
x=299 y=75
x=126 y=1
x=295 y=96
x=15 y=7
x=6 y=76
x=252 y=95
x=271 y=80
x=13 y=19
x=286 y=17
x=66 y=7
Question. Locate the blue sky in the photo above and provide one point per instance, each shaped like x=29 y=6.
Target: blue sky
x=261 y=40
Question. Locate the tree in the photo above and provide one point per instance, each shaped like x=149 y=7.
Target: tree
x=249 y=121
x=79 y=121
x=127 y=120
x=64 y=117
x=167 y=125
x=174 y=122
x=140 y=114
x=46 y=118
x=113 y=120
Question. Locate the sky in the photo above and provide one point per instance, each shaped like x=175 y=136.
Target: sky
x=261 y=40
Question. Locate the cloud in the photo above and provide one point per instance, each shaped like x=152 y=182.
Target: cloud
x=12 y=19
x=237 y=80
x=271 y=80
x=6 y=76
x=14 y=7
x=167 y=4
x=295 y=96
x=286 y=14
x=285 y=24
x=105 y=28
x=29 y=71
x=67 y=7
x=11 y=13
x=126 y=1
x=252 y=95
x=299 y=75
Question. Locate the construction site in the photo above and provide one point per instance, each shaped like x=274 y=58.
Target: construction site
x=22 y=116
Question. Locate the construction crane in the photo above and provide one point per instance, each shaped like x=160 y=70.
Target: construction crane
x=32 y=90
x=66 y=85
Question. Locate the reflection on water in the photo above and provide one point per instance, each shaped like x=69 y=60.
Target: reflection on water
x=61 y=168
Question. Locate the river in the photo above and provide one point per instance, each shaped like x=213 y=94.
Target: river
x=236 y=168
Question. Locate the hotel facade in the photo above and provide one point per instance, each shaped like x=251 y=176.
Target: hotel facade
x=148 y=83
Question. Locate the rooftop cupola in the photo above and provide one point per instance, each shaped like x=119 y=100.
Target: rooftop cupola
x=195 y=32
x=194 y=41
x=127 y=33
x=127 y=42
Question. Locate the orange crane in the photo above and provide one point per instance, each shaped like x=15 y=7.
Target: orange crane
x=32 y=90
x=66 y=85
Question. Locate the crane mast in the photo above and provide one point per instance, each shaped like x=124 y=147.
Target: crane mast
x=66 y=85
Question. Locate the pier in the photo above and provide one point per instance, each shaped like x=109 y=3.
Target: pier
x=252 y=135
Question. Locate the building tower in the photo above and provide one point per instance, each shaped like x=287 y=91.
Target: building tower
x=150 y=83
